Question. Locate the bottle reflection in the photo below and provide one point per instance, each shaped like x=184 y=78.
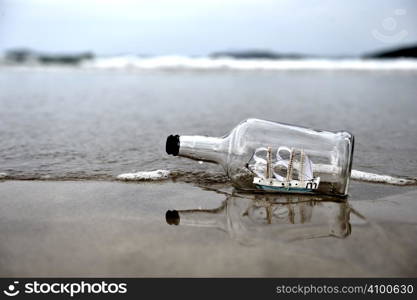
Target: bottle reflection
x=251 y=219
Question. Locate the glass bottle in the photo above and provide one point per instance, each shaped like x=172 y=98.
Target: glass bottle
x=265 y=156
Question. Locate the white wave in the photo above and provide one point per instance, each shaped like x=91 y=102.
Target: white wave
x=145 y=175
x=3 y=175
x=207 y=63
x=370 y=177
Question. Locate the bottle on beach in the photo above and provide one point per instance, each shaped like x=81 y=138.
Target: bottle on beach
x=265 y=156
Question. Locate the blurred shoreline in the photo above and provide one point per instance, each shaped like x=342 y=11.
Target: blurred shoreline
x=177 y=63
x=392 y=59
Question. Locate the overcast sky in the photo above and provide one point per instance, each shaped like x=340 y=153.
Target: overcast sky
x=199 y=27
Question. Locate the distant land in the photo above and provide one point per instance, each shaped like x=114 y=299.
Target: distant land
x=257 y=54
x=410 y=51
x=22 y=56
x=27 y=55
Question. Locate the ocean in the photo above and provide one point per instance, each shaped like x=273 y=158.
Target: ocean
x=112 y=115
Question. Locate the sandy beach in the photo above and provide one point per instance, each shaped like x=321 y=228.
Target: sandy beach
x=99 y=228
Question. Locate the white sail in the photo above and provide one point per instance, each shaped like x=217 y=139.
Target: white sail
x=308 y=168
x=262 y=159
x=282 y=163
x=260 y=163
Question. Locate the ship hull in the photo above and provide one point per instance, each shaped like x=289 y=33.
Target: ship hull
x=277 y=189
x=293 y=186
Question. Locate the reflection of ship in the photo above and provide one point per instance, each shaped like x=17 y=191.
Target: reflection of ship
x=274 y=182
x=254 y=219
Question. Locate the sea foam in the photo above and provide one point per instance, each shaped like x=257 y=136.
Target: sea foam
x=377 y=178
x=145 y=175
x=209 y=63
x=355 y=175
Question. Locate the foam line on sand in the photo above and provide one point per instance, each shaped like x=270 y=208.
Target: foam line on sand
x=355 y=175
x=145 y=175
x=377 y=178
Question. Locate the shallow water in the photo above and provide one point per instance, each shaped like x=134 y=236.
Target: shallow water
x=73 y=123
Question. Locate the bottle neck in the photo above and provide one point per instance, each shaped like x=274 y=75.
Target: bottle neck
x=203 y=148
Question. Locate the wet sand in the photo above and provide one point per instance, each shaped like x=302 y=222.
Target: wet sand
x=98 y=228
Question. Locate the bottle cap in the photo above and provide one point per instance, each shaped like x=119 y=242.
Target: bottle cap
x=172 y=217
x=173 y=145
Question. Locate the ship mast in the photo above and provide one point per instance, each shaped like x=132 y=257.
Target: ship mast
x=290 y=165
x=268 y=171
x=301 y=174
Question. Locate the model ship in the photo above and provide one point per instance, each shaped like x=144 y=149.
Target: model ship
x=272 y=181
